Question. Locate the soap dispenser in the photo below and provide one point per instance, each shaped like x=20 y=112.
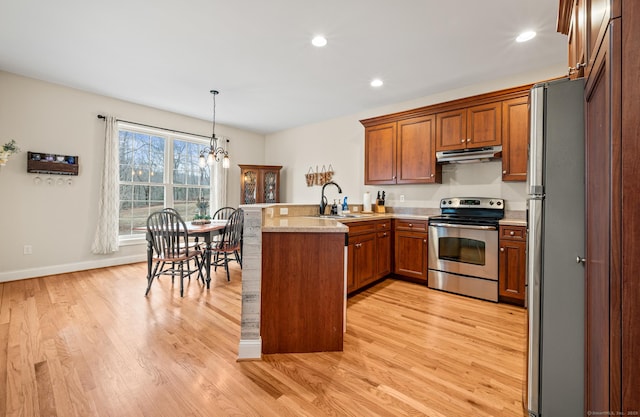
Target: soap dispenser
x=345 y=206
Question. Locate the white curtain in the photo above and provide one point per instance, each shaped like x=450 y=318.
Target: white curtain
x=106 y=237
x=218 y=185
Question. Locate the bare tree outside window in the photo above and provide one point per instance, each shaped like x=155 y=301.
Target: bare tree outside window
x=145 y=187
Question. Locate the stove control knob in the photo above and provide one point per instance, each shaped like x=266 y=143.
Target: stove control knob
x=491 y=202
x=449 y=201
x=499 y=203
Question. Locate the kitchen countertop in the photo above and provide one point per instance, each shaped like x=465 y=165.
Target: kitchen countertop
x=310 y=224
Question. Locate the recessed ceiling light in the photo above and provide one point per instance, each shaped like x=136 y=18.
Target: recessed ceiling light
x=526 y=36
x=376 y=82
x=319 y=41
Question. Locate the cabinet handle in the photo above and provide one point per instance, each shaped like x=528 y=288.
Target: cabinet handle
x=431 y=175
x=424 y=241
x=504 y=172
x=501 y=249
x=461 y=140
x=512 y=233
x=410 y=224
x=468 y=140
x=384 y=234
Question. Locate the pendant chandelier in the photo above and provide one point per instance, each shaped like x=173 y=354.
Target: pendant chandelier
x=214 y=153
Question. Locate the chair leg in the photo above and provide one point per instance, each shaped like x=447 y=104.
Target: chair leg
x=226 y=265
x=181 y=279
x=149 y=284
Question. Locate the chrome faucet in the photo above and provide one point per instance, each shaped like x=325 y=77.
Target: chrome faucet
x=323 y=199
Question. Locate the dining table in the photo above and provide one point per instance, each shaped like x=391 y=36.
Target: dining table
x=207 y=232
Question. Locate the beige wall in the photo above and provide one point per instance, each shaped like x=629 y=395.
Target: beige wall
x=58 y=221
x=340 y=142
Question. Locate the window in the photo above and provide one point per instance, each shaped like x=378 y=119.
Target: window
x=158 y=169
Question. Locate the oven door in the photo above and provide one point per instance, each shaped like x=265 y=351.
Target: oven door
x=464 y=249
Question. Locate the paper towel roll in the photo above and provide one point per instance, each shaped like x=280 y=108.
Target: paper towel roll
x=366 y=201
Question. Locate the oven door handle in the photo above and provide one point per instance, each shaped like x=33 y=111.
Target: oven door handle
x=463 y=226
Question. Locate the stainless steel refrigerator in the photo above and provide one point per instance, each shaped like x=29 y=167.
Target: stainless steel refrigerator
x=555 y=248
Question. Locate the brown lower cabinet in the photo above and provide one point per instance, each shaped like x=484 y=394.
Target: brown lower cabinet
x=410 y=247
x=369 y=253
x=512 y=264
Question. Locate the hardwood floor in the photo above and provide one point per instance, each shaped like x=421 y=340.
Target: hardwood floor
x=90 y=344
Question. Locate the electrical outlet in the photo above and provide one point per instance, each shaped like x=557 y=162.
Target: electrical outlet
x=284 y=211
x=401 y=197
x=28 y=249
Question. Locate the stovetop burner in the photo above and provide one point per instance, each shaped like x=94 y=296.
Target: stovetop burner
x=470 y=211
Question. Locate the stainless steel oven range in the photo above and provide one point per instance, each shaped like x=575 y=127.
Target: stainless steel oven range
x=463 y=247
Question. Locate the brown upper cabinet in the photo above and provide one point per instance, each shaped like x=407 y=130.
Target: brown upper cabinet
x=515 y=131
x=400 y=148
x=470 y=127
x=401 y=152
x=585 y=23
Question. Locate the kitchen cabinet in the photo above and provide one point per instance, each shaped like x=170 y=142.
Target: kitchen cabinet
x=259 y=184
x=469 y=127
x=512 y=264
x=410 y=247
x=362 y=251
x=401 y=152
x=585 y=23
x=383 y=248
x=515 y=138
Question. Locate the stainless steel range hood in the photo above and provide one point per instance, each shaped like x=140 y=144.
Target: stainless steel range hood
x=469 y=155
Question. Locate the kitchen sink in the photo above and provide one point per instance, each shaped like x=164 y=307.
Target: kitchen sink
x=339 y=216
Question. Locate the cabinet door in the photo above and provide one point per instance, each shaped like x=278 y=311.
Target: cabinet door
x=576 y=41
x=383 y=252
x=351 y=276
x=364 y=259
x=483 y=125
x=601 y=276
x=512 y=270
x=597 y=14
x=411 y=254
x=380 y=154
x=250 y=186
x=416 y=151
x=271 y=185
x=515 y=139
x=451 y=130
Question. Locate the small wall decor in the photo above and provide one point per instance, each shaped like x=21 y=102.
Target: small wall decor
x=319 y=177
x=7 y=150
x=49 y=163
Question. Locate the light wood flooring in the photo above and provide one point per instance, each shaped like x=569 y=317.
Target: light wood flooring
x=90 y=344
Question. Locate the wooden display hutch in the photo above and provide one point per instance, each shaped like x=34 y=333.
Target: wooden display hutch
x=259 y=184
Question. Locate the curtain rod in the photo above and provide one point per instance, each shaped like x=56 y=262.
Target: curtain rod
x=158 y=127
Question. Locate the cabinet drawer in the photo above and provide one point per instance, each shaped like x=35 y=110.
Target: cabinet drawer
x=513 y=232
x=414 y=225
x=383 y=225
x=357 y=228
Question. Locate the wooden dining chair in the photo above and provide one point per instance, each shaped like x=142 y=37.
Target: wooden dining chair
x=223 y=213
x=230 y=243
x=171 y=248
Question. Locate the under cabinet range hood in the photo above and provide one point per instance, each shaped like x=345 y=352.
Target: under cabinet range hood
x=468 y=155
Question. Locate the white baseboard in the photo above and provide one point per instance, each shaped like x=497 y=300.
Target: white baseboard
x=250 y=349
x=65 y=268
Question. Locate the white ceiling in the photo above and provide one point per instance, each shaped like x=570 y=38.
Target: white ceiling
x=169 y=54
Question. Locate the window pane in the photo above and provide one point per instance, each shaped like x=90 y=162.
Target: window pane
x=143 y=183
